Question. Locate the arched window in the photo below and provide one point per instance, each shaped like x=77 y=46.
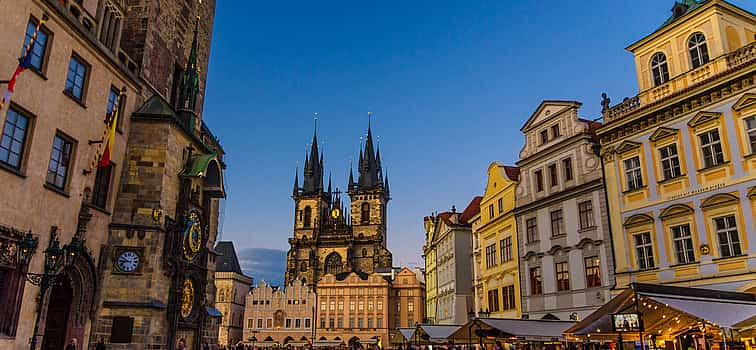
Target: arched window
x=307 y=216
x=699 y=52
x=333 y=263
x=303 y=267
x=364 y=252
x=659 y=69
x=365 y=213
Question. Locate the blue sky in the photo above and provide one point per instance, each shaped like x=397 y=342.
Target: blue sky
x=449 y=83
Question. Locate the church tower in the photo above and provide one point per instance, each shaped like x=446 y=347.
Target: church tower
x=369 y=197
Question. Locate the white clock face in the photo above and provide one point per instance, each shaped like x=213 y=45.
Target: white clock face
x=128 y=261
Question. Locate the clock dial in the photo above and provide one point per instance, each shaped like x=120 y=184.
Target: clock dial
x=187 y=298
x=192 y=236
x=128 y=261
x=335 y=213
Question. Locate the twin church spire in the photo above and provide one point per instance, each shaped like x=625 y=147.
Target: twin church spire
x=370 y=170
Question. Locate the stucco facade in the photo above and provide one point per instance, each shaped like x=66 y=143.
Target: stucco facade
x=283 y=316
x=679 y=156
x=232 y=287
x=566 y=263
x=497 y=239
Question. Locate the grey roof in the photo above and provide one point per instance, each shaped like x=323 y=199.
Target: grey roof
x=227 y=260
x=526 y=328
x=439 y=331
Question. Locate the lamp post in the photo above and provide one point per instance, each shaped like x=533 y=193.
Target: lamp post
x=55 y=258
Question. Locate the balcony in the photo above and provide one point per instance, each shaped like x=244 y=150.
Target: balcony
x=725 y=64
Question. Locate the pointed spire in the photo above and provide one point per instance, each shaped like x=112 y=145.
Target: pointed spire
x=329 y=184
x=296 y=181
x=369 y=168
x=351 y=177
x=189 y=87
x=313 y=172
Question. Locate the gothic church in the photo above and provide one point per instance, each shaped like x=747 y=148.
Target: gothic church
x=328 y=239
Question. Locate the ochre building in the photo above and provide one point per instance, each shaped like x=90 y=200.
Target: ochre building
x=679 y=156
x=496 y=236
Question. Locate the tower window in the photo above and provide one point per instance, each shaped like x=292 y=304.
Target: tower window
x=364 y=252
x=307 y=216
x=699 y=53
x=659 y=69
x=365 y=213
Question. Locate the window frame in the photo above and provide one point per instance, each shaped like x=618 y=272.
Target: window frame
x=671 y=167
x=536 y=280
x=585 y=215
x=714 y=146
x=567 y=169
x=682 y=243
x=505 y=247
x=44 y=58
x=491 y=256
x=70 y=162
x=730 y=232
x=751 y=132
x=633 y=173
x=84 y=81
x=28 y=133
x=555 y=131
x=553 y=175
x=531 y=230
x=95 y=188
x=538 y=180
x=592 y=271
x=644 y=250
x=659 y=67
x=557 y=223
x=562 y=273
x=544 y=136
x=701 y=50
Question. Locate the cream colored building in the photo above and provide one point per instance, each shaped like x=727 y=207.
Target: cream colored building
x=232 y=287
x=279 y=316
x=679 y=156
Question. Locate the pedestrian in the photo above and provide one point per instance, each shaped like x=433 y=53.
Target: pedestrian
x=100 y=345
x=240 y=345
x=181 y=344
x=72 y=344
x=205 y=346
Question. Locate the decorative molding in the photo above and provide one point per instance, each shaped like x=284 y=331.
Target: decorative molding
x=752 y=192
x=719 y=199
x=638 y=220
x=586 y=241
x=747 y=100
x=627 y=146
x=675 y=210
x=703 y=117
x=663 y=133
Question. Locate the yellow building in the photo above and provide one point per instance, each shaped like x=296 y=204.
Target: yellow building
x=497 y=237
x=431 y=288
x=680 y=157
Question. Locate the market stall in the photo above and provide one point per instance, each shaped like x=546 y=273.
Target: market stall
x=670 y=318
x=513 y=333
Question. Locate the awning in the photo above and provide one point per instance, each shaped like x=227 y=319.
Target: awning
x=439 y=333
x=527 y=330
x=368 y=341
x=406 y=333
x=727 y=314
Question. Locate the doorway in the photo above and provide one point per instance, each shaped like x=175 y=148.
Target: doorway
x=56 y=321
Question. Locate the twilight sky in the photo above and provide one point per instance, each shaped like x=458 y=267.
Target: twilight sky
x=449 y=83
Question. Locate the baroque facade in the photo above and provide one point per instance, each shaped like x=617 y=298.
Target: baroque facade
x=496 y=235
x=679 y=155
x=232 y=287
x=447 y=252
x=566 y=261
x=279 y=316
x=329 y=240
x=50 y=186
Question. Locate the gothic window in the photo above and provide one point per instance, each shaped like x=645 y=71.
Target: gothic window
x=659 y=69
x=365 y=213
x=699 y=53
x=333 y=263
x=307 y=216
x=110 y=26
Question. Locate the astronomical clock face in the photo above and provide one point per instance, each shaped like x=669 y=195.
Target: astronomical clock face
x=192 y=236
x=127 y=261
x=335 y=213
x=187 y=298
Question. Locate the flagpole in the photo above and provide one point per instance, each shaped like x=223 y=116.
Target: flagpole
x=23 y=62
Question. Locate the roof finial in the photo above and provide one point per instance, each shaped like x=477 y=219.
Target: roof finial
x=315 y=119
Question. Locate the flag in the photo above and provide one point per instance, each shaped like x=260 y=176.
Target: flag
x=111 y=131
x=23 y=63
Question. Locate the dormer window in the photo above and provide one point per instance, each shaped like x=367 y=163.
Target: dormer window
x=659 y=69
x=699 y=53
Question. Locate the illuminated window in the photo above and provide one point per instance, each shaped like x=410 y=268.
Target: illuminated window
x=592 y=272
x=562 y=276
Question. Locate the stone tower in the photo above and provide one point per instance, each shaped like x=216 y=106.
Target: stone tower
x=331 y=237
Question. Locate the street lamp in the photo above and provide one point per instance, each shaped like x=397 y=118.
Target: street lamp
x=55 y=258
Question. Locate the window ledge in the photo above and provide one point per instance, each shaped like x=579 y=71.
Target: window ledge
x=650 y=269
x=561 y=235
x=694 y=262
x=56 y=190
x=590 y=228
x=534 y=242
x=713 y=167
x=75 y=99
x=730 y=257
x=672 y=179
x=637 y=189
x=100 y=209
x=38 y=72
x=12 y=170
x=750 y=155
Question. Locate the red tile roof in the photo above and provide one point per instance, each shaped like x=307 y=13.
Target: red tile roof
x=472 y=209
